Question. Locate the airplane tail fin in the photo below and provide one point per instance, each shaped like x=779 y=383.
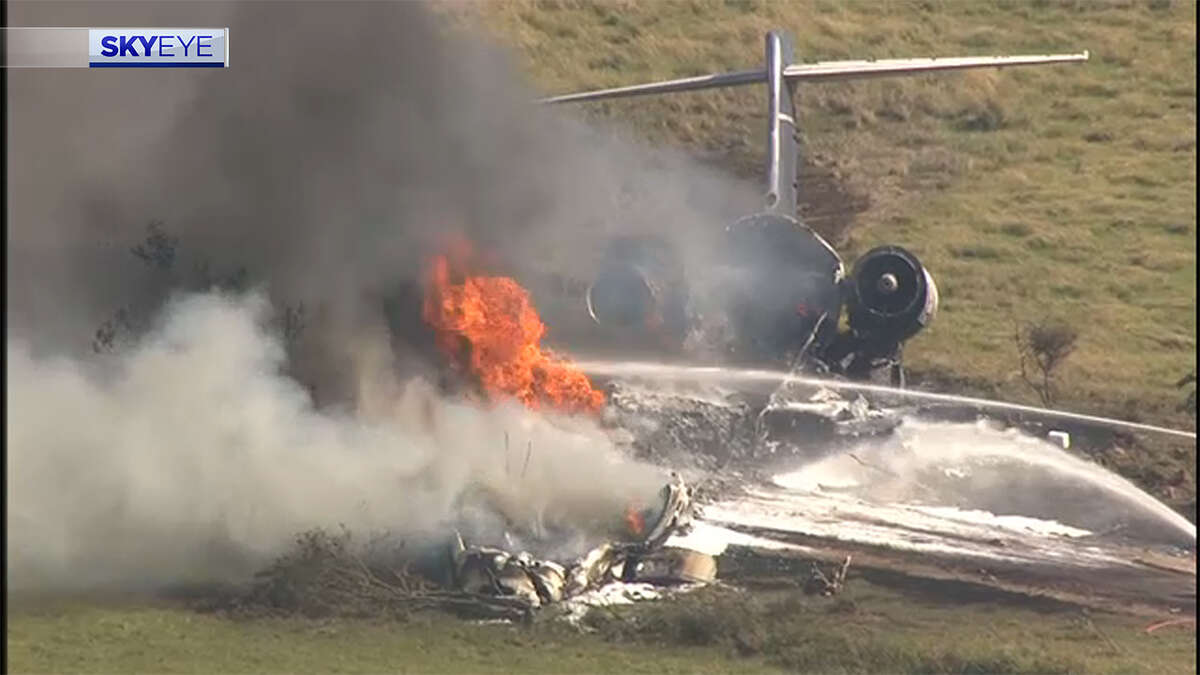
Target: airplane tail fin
x=782 y=77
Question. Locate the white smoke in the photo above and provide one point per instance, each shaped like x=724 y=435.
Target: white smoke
x=190 y=457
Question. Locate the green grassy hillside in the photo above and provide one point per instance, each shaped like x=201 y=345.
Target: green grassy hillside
x=867 y=629
x=1058 y=191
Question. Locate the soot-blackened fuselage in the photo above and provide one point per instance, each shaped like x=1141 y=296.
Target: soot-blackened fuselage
x=774 y=294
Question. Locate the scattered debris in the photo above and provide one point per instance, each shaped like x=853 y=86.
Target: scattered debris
x=671 y=565
x=819 y=584
x=1086 y=619
x=329 y=574
x=1061 y=437
x=535 y=583
x=717 y=429
x=711 y=426
x=869 y=465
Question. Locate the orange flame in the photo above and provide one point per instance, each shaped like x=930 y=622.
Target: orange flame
x=634 y=520
x=488 y=327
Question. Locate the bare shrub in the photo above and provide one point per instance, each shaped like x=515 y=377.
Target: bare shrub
x=330 y=574
x=1042 y=347
x=1189 y=404
x=158 y=249
x=159 y=253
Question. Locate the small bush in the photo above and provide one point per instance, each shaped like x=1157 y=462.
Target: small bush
x=1016 y=229
x=1042 y=347
x=976 y=252
x=1189 y=404
x=988 y=116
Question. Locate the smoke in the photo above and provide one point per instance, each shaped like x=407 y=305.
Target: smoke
x=191 y=458
x=343 y=143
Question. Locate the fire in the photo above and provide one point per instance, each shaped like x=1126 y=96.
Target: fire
x=634 y=520
x=487 y=326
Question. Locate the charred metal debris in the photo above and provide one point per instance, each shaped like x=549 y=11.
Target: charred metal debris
x=330 y=574
x=718 y=429
x=647 y=558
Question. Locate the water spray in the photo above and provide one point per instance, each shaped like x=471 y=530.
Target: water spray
x=946 y=444
x=719 y=373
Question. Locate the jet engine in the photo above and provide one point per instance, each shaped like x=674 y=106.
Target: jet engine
x=640 y=291
x=892 y=297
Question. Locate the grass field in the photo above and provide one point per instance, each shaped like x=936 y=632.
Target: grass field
x=868 y=628
x=1065 y=192
x=1057 y=192
x=136 y=638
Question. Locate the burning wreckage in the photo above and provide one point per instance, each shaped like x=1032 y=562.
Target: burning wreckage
x=781 y=294
x=643 y=555
x=490 y=334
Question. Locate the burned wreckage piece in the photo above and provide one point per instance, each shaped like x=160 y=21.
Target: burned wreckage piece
x=775 y=297
x=643 y=557
x=716 y=428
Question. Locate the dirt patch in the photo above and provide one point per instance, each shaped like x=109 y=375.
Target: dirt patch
x=827 y=202
x=1135 y=589
x=759 y=570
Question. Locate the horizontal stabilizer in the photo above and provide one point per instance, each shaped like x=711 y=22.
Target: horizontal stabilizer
x=819 y=72
x=665 y=87
x=847 y=70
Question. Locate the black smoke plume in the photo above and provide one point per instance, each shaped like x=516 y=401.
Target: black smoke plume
x=344 y=140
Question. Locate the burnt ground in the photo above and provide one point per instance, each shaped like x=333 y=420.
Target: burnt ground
x=827 y=201
x=1146 y=587
x=828 y=204
x=1139 y=565
x=1108 y=572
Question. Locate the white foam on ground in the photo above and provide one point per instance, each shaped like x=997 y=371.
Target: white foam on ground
x=887 y=493
x=614 y=593
x=617 y=593
x=1007 y=522
x=703 y=538
x=774 y=514
x=706 y=537
x=828 y=473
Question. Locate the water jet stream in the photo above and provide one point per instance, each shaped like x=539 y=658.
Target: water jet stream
x=720 y=373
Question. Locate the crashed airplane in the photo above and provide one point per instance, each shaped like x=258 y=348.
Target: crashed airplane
x=784 y=290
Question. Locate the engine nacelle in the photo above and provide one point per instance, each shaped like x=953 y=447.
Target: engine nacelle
x=640 y=290
x=892 y=296
x=622 y=296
